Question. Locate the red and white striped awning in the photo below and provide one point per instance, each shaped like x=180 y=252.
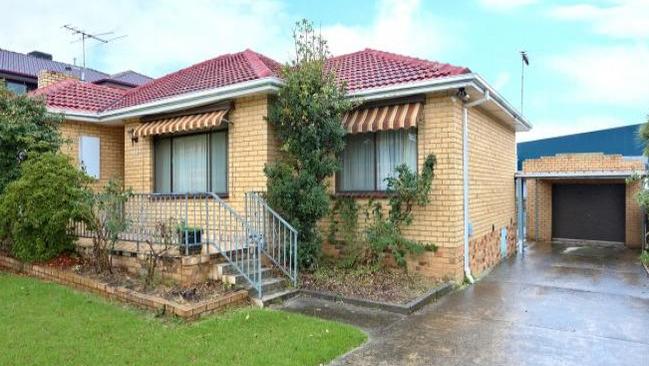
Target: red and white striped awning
x=194 y=122
x=392 y=117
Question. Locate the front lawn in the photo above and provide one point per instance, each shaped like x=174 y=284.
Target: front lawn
x=47 y=324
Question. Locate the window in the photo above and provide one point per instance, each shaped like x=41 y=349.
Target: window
x=370 y=158
x=89 y=155
x=17 y=88
x=191 y=163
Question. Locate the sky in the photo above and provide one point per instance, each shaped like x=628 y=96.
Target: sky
x=588 y=59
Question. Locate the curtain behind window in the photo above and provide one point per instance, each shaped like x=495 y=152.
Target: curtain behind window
x=190 y=163
x=358 y=164
x=219 y=162
x=395 y=148
x=163 y=166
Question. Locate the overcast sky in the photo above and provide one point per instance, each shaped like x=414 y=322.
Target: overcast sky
x=589 y=59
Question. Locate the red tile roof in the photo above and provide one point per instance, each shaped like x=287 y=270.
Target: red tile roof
x=72 y=94
x=370 y=68
x=218 y=72
x=365 y=69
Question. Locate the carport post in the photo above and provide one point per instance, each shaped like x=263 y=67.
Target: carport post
x=520 y=224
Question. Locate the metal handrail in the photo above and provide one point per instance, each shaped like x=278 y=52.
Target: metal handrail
x=279 y=238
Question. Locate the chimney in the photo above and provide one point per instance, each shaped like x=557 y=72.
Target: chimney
x=48 y=77
x=40 y=54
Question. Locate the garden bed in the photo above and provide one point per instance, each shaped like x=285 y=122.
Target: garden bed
x=382 y=285
x=188 y=302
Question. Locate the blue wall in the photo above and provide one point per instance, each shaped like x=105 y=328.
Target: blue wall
x=620 y=140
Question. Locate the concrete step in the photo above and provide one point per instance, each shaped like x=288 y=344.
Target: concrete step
x=239 y=279
x=275 y=297
x=269 y=286
x=226 y=268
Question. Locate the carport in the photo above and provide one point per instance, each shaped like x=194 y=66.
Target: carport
x=581 y=197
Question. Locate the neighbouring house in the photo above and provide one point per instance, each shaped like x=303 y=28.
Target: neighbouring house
x=194 y=144
x=21 y=72
x=577 y=187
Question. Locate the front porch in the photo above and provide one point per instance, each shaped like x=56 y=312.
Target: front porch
x=198 y=236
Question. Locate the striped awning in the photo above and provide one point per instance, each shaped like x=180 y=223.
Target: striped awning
x=194 y=122
x=392 y=117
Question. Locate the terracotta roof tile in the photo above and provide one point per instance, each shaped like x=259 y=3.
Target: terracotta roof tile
x=365 y=69
x=77 y=95
x=218 y=72
x=370 y=68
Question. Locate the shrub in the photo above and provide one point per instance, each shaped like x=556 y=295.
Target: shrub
x=26 y=128
x=104 y=217
x=36 y=209
x=383 y=235
x=307 y=116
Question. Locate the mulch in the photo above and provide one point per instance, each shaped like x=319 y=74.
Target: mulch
x=386 y=285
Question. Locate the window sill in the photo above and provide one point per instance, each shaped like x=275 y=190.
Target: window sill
x=362 y=194
x=190 y=196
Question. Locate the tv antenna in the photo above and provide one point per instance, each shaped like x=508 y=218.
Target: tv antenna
x=525 y=61
x=99 y=37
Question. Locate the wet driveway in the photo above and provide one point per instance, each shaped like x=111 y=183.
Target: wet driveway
x=556 y=305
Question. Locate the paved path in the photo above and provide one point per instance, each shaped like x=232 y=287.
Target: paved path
x=555 y=305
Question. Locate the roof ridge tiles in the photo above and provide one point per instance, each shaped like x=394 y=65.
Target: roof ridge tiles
x=258 y=66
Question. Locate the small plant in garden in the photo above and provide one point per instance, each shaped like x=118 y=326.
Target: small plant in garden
x=644 y=257
x=343 y=221
x=383 y=235
x=157 y=249
x=26 y=130
x=105 y=218
x=307 y=115
x=36 y=209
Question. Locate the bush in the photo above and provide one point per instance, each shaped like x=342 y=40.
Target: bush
x=36 y=209
x=26 y=128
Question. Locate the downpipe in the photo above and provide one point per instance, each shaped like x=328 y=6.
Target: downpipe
x=465 y=179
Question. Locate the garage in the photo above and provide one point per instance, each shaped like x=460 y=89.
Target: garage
x=588 y=212
x=581 y=197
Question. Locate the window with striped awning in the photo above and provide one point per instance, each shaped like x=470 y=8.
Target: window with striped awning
x=383 y=118
x=180 y=124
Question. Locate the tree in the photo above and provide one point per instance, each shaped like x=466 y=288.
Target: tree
x=307 y=116
x=36 y=210
x=26 y=128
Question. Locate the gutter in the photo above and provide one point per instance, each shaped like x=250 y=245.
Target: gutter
x=272 y=85
x=465 y=179
x=266 y=85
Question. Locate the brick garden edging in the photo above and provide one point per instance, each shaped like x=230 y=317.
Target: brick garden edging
x=149 y=302
x=405 y=309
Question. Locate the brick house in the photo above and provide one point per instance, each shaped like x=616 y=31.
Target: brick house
x=203 y=129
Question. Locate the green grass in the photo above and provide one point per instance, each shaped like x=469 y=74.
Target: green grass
x=48 y=324
x=644 y=257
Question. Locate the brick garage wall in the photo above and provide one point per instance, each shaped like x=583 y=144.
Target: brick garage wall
x=539 y=191
x=111 y=147
x=492 y=199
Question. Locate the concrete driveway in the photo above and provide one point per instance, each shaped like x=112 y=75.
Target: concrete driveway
x=555 y=305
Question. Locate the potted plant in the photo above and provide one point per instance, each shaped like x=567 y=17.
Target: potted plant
x=189 y=237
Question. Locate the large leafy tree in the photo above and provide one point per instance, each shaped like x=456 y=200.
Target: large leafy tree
x=26 y=128
x=307 y=116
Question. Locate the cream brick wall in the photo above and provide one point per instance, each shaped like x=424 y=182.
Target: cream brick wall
x=539 y=191
x=492 y=198
x=47 y=77
x=111 y=147
x=249 y=148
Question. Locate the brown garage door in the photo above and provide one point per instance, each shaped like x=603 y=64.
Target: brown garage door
x=588 y=211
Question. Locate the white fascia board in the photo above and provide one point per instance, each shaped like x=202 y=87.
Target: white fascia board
x=184 y=101
x=580 y=174
x=430 y=86
x=272 y=85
